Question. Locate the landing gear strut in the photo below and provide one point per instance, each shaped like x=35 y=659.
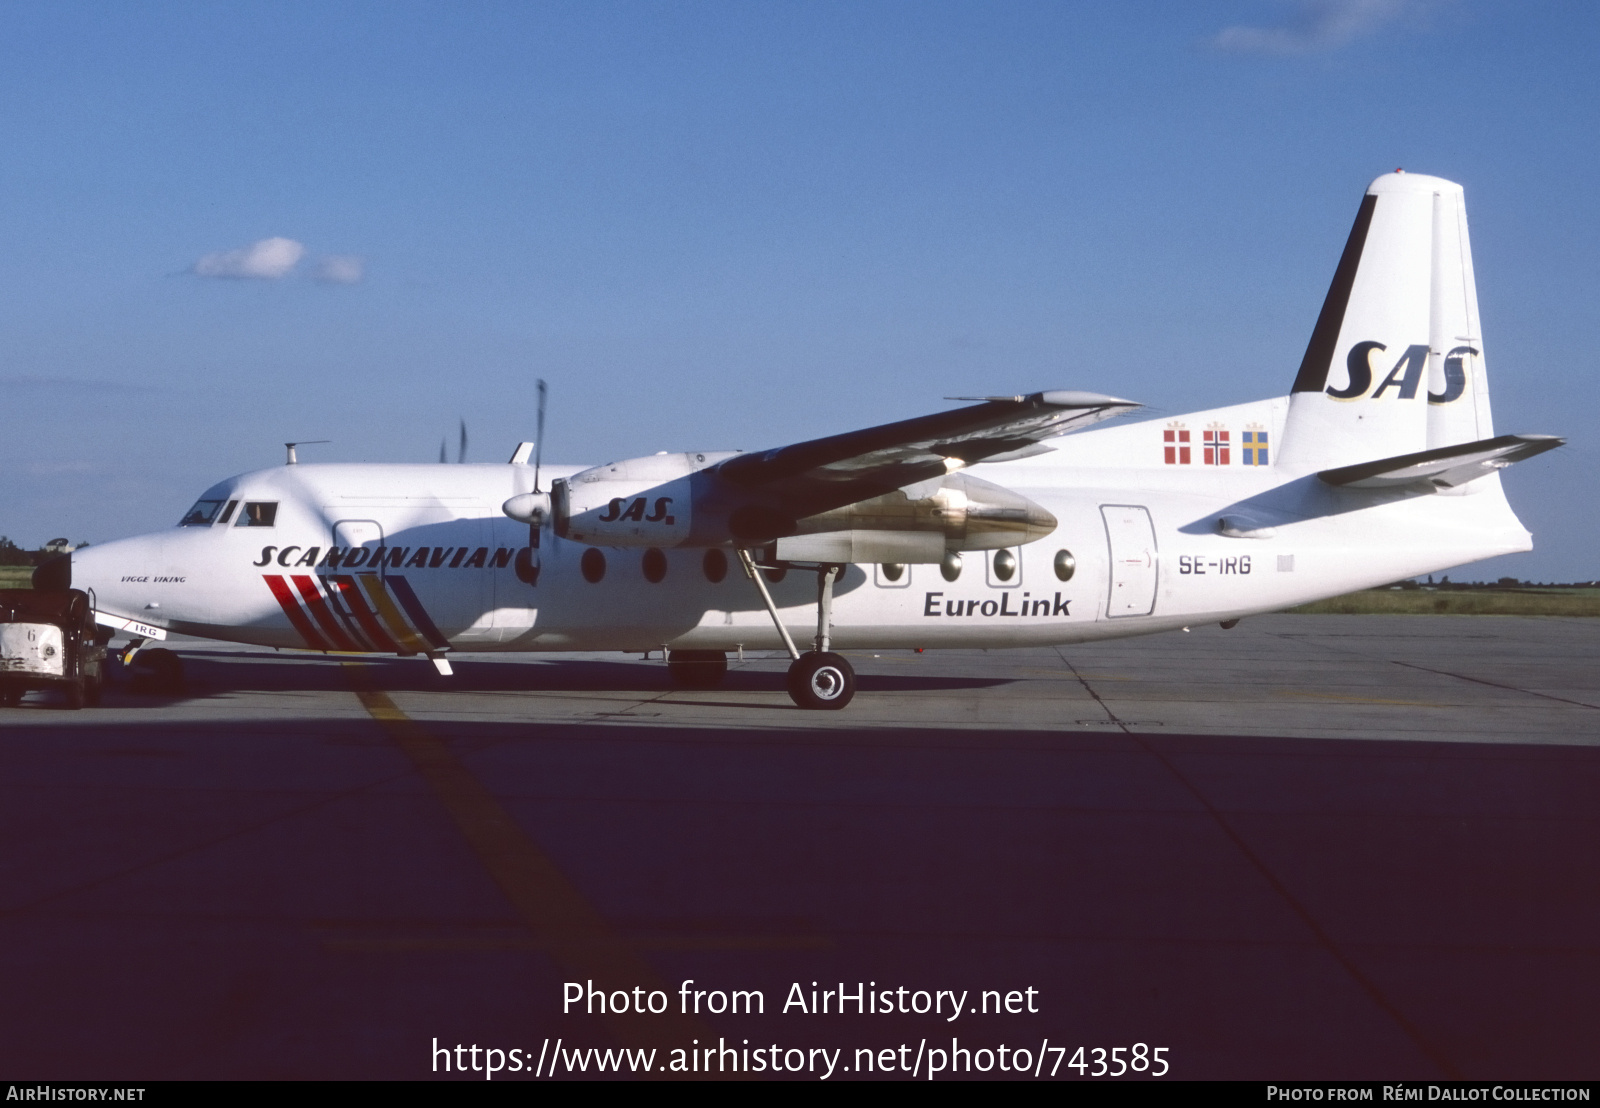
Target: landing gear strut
x=819 y=678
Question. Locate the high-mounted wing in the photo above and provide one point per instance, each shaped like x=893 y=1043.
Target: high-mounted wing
x=842 y=469
x=703 y=499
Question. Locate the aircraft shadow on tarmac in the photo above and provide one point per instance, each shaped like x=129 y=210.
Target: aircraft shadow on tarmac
x=1334 y=907
x=212 y=673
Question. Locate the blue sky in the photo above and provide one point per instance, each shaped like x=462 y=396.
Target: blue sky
x=719 y=225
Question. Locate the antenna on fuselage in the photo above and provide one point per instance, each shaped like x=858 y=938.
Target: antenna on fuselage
x=538 y=442
x=289 y=446
x=461 y=447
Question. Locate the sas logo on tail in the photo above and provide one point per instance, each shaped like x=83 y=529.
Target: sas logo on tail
x=1406 y=376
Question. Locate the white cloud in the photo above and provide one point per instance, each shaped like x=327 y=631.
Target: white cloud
x=1319 y=25
x=268 y=260
x=341 y=269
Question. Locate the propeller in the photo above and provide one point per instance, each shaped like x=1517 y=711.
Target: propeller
x=532 y=508
x=538 y=441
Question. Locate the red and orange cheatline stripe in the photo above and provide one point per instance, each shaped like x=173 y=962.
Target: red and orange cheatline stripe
x=334 y=612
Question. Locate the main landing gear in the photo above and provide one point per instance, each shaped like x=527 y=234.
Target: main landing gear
x=818 y=679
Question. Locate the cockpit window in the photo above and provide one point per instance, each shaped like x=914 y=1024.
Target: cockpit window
x=201 y=514
x=258 y=513
x=228 y=511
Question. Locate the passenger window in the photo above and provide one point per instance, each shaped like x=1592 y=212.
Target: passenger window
x=1004 y=569
x=892 y=575
x=258 y=513
x=201 y=514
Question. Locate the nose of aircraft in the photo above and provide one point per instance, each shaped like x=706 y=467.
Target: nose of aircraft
x=98 y=569
x=149 y=578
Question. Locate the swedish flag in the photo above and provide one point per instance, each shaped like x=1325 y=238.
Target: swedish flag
x=1254 y=448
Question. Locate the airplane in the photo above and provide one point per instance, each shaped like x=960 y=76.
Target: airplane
x=1001 y=523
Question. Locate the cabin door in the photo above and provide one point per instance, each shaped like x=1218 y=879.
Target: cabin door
x=1134 y=562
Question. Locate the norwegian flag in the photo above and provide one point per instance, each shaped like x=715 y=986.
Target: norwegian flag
x=1216 y=447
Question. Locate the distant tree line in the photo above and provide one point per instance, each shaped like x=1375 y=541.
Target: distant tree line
x=1502 y=583
x=13 y=555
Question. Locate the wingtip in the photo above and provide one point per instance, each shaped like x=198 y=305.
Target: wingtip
x=1058 y=398
x=1072 y=398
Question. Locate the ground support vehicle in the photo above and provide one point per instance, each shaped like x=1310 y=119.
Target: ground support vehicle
x=48 y=640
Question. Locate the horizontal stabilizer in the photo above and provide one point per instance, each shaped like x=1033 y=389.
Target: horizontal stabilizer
x=1445 y=467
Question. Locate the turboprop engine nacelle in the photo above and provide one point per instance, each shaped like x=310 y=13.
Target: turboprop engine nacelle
x=640 y=502
x=920 y=523
x=668 y=500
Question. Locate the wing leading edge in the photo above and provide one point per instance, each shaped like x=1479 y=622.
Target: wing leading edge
x=749 y=499
x=842 y=469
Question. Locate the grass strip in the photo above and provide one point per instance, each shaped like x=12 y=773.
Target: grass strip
x=1464 y=602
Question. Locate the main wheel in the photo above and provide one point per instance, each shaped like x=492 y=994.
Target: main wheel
x=821 y=681
x=697 y=669
x=74 y=691
x=10 y=696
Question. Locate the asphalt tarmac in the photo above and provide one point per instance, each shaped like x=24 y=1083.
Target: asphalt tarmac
x=1308 y=847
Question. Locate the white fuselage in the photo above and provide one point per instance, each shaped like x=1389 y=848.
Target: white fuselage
x=1154 y=545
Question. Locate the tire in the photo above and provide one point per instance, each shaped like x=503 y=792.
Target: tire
x=821 y=682
x=74 y=691
x=158 y=671
x=94 y=689
x=697 y=669
x=10 y=696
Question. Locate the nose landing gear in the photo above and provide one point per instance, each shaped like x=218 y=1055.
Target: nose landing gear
x=818 y=679
x=157 y=672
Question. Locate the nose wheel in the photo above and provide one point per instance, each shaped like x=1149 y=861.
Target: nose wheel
x=820 y=679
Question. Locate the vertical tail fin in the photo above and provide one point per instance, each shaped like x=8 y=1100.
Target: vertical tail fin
x=1395 y=362
x=1458 y=388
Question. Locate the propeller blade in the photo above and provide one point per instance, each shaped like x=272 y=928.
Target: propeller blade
x=538 y=441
